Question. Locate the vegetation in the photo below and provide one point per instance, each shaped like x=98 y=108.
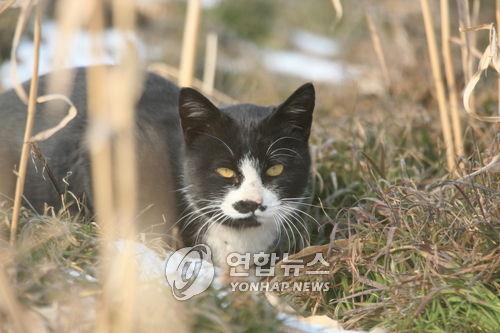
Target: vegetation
x=412 y=247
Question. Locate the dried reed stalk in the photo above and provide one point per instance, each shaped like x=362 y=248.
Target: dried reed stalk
x=337 y=5
x=189 y=42
x=172 y=73
x=70 y=17
x=438 y=82
x=123 y=115
x=101 y=161
x=377 y=46
x=113 y=92
x=30 y=120
x=465 y=40
x=450 y=77
x=99 y=130
x=5 y=5
x=476 y=10
x=497 y=15
x=488 y=59
x=210 y=64
x=124 y=275
x=26 y=7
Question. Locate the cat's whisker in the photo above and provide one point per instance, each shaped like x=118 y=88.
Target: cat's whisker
x=296 y=198
x=193 y=207
x=207 y=224
x=221 y=141
x=280 y=221
x=199 y=217
x=195 y=212
x=286 y=149
x=287 y=224
x=278 y=230
x=278 y=140
x=295 y=216
x=196 y=215
x=217 y=222
x=295 y=234
x=276 y=156
x=288 y=217
x=288 y=207
x=294 y=211
x=306 y=204
x=183 y=189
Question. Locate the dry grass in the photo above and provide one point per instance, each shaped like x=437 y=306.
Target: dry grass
x=408 y=258
x=411 y=247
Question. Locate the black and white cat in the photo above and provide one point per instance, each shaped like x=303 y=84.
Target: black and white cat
x=230 y=177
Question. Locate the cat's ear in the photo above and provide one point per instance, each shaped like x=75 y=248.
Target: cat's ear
x=295 y=114
x=197 y=113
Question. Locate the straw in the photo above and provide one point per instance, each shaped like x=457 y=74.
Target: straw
x=438 y=82
x=497 y=15
x=210 y=64
x=188 y=55
x=450 y=77
x=377 y=46
x=30 y=120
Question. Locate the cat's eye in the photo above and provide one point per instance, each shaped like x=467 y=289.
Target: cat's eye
x=275 y=170
x=225 y=172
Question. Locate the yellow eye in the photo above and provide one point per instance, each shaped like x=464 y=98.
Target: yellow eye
x=275 y=170
x=225 y=172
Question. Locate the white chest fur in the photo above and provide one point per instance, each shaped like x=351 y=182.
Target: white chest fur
x=224 y=240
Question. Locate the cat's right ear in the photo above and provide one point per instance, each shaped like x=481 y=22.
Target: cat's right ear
x=197 y=113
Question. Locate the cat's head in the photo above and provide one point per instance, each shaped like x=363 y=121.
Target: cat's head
x=245 y=165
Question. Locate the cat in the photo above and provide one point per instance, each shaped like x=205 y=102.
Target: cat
x=229 y=177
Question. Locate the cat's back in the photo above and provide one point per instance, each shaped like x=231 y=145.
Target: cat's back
x=157 y=103
x=157 y=129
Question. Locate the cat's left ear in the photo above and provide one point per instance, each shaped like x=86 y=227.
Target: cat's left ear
x=296 y=112
x=198 y=115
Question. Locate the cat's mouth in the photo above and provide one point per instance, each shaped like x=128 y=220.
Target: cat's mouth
x=242 y=223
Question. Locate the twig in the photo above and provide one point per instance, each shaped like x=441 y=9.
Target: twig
x=450 y=77
x=26 y=8
x=467 y=46
x=493 y=166
x=337 y=5
x=172 y=73
x=210 y=64
x=100 y=158
x=45 y=167
x=189 y=41
x=377 y=46
x=488 y=58
x=438 y=82
x=23 y=164
x=4 y=6
x=497 y=14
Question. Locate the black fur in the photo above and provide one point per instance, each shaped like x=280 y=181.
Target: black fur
x=181 y=140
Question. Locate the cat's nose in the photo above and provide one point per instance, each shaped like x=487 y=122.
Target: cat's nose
x=247 y=206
